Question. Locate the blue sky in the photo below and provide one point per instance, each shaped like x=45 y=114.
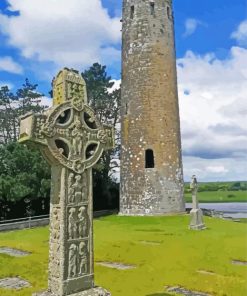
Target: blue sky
x=39 y=37
x=217 y=19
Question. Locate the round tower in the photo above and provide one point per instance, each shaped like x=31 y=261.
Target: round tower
x=151 y=175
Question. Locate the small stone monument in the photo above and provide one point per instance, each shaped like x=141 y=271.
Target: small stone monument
x=196 y=221
x=72 y=140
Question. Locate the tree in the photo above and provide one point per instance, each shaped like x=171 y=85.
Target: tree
x=106 y=104
x=12 y=106
x=23 y=174
x=8 y=116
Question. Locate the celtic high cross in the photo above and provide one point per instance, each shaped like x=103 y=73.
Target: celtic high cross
x=72 y=140
x=196 y=215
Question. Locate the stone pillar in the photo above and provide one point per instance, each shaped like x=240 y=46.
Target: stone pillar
x=151 y=178
x=196 y=222
x=72 y=140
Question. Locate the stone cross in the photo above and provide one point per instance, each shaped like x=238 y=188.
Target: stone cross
x=196 y=222
x=72 y=140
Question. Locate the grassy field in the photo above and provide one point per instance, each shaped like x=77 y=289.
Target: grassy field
x=163 y=249
x=219 y=196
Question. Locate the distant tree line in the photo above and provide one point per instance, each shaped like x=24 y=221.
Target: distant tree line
x=24 y=175
x=218 y=186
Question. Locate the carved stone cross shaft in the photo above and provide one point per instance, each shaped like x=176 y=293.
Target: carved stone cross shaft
x=72 y=140
x=194 y=188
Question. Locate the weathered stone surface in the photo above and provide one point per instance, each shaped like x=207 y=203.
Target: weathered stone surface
x=15 y=283
x=151 y=243
x=206 y=272
x=13 y=252
x=183 y=291
x=116 y=265
x=151 y=166
x=196 y=221
x=72 y=140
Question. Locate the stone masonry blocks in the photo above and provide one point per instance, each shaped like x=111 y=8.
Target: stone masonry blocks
x=149 y=111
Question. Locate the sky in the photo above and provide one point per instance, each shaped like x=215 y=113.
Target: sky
x=38 y=37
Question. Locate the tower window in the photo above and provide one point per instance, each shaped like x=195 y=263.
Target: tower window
x=168 y=12
x=152 y=8
x=149 y=159
x=132 y=11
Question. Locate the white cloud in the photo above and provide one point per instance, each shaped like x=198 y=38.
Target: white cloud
x=8 y=65
x=217 y=169
x=6 y=83
x=241 y=34
x=45 y=101
x=213 y=109
x=214 y=169
x=191 y=25
x=71 y=33
x=116 y=85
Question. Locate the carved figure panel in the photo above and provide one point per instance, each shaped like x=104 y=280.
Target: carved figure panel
x=55 y=224
x=77 y=135
x=77 y=188
x=78 y=259
x=54 y=262
x=72 y=224
x=72 y=261
x=83 y=258
x=78 y=223
x=54 y=253
x=82 y=222
x=71 y=188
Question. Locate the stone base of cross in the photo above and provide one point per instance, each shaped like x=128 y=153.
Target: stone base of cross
x=91 y=292
x=72 y=140
x=196 y=220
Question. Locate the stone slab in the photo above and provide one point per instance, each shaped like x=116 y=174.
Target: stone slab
x=116 y=265
x=186 y=292
x=239 y=262
x=151 y=243
x=13 y=252
x=206 y=272
x=14 y=283
x=91 y=292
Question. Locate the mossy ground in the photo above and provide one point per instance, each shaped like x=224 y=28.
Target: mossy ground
x=174 y=261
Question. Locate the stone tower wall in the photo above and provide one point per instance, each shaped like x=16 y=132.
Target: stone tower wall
x=150 y=112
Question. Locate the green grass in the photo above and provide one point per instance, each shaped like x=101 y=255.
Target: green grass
x=219 y=196
x=175 y=261
x=243 y=220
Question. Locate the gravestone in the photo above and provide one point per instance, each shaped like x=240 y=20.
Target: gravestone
x=72 y=140
x=196 y=221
